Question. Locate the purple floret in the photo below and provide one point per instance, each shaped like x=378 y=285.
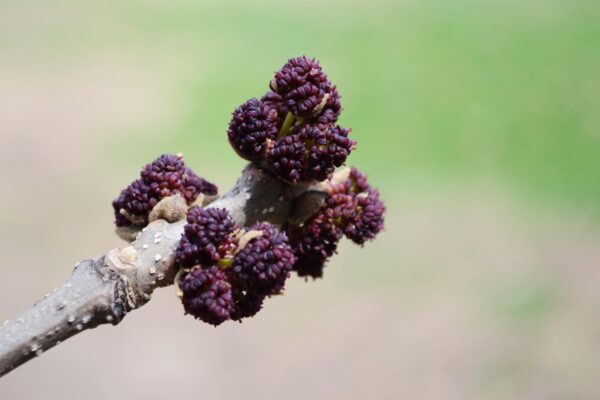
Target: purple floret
x=165 y=176
x=252 y=124
x=303 y=85
x=206 y=238
x=207 y=295
x=265 y=262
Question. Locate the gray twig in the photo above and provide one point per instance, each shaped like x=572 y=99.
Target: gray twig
x=104 y=290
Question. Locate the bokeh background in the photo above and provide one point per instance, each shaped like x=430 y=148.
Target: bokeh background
x=478 y=120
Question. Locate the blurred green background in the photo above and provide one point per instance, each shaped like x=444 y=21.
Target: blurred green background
x=478 y=120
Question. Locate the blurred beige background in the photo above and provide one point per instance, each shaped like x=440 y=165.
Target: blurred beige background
x=478 y=121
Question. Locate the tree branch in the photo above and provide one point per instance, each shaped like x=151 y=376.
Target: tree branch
x=103 y=291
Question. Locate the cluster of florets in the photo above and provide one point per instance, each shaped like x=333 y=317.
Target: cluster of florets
x=228 y=271
x=208 y=237
x=252 y=124
x=303 y=85
x=207 y=294
x=166 y=176
x=353 y=208
x=292 y=129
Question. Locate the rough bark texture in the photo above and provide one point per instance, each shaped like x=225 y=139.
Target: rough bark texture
x=103 y=291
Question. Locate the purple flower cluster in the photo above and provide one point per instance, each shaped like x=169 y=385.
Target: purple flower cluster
x=165 y=176
x=208 y=237
x=361 y=208
x=315 y=242
x=353 y=209
x=252 y=124
x=292 y=128
x=303 y=86
x=263 y=264
x=207 y=294
x=228 y=270
x=312 y=152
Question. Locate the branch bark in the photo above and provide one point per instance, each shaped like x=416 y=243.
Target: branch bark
x=104 y=290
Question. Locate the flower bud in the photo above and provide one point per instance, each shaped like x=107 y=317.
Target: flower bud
x=265 y=262
x=207 y=237
x=206 y=294
x=303 y=86
x=164 y=177
x=252 y=124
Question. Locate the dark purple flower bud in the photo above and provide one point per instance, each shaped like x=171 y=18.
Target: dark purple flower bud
x=135 y=201
x=165 y=176
x=287 y=158
x=330 y=146
x=168 y=174
x=303 y=86
x=358 y=208
x=206 y=294
x=353 y=208
x=163 y=166
x=252 y=124
x=264 y=263
x=314 y=243
x=206 y=238
x=368 y=219
x=241 y=267
x=246 y=305
x=311 y=153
